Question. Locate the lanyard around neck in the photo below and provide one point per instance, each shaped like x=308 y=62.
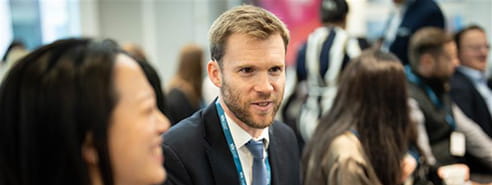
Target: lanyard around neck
x=432 y=95
x=233 y=149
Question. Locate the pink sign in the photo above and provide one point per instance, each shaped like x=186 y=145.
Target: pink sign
x=301 y=17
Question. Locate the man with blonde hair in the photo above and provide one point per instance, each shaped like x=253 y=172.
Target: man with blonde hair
x=235 y=139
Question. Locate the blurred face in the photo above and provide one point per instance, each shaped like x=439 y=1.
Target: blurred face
x=135 y=128
x=474 y=50
x=252 y=78
x=445 y=63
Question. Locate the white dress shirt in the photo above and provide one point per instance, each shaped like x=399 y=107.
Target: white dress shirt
x=240 y=138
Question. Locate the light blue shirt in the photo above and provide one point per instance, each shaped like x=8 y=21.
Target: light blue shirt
x=480 y=82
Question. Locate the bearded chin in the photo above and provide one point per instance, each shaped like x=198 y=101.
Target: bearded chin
x=232 y=101
x=241 y=113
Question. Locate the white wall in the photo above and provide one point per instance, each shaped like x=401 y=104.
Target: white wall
x=161 y=27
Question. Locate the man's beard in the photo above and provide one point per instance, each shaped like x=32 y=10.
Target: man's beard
x=438 y=84
x=232 y=100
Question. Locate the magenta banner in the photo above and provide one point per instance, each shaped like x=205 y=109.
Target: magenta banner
x=301 y=17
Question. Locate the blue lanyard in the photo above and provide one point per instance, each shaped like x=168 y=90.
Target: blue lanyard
x=233 y=149
x=432 y=95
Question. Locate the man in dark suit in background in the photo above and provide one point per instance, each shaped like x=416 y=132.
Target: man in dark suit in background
x=433 y=59
x=469 y=88
x=408 y=17
x=235 y=140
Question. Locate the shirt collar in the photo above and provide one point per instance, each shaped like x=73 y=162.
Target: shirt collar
x=474 y=74
x=241 y=137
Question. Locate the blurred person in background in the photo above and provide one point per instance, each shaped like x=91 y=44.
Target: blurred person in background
x=407 y=17
x=320 y=61
x=14 y=52
x=453 y=137
x=365 y=137
x=135 y=51
x=185 y=89
x=16 y=45
x=79 y=111
x=469 y=88
x=150 y=72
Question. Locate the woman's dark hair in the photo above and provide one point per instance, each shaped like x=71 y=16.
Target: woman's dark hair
x=138 y=54
x=51 y=100
x=371 y=99
x=333 y=11
x=155 y=81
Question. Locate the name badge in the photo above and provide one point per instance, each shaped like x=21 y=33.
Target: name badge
x=457 y=146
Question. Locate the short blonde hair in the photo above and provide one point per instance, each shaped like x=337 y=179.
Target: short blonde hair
x=245 y=19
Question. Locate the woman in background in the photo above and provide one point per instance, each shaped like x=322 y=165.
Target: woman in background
x=185 y=90
x=81 y=112
x=150 y=72
x=367 y=133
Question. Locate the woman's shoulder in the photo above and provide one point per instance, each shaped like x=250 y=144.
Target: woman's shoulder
x=347 y=146
x=348 y=163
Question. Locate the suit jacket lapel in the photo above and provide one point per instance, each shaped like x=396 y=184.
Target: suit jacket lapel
x=273 y=157
x=219 y=156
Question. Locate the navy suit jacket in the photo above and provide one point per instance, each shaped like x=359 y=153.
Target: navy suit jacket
x=419 y=14
x=470 y=101
x=196 y=153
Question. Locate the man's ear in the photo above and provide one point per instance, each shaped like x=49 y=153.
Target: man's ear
x=89 y=152
x=214 y=73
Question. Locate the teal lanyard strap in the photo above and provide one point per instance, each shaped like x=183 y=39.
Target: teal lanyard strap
x=233 y=149
x=432 y=95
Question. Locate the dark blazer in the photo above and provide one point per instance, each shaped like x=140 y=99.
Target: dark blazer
x=470 y=101
x=196 y=152
x=179 y=106
x=419 y=14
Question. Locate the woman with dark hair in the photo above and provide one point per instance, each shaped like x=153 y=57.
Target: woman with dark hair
x=81 y=112
x=185 y=90
x=150 y=72
x=367 y=133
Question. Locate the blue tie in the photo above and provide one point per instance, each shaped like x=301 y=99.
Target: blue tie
x=259 y=167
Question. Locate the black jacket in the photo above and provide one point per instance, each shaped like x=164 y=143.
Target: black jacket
x=196 y=153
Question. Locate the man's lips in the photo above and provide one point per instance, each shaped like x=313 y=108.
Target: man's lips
x=263 y=105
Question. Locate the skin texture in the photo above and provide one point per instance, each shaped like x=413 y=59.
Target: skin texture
x=135 y=128
x=474 y=49
x=446 y=63
x=251 y=79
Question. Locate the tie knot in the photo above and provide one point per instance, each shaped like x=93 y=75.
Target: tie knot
x=256 y=148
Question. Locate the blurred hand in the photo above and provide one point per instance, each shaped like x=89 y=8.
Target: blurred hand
x=408 y=165
x=443 y=171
